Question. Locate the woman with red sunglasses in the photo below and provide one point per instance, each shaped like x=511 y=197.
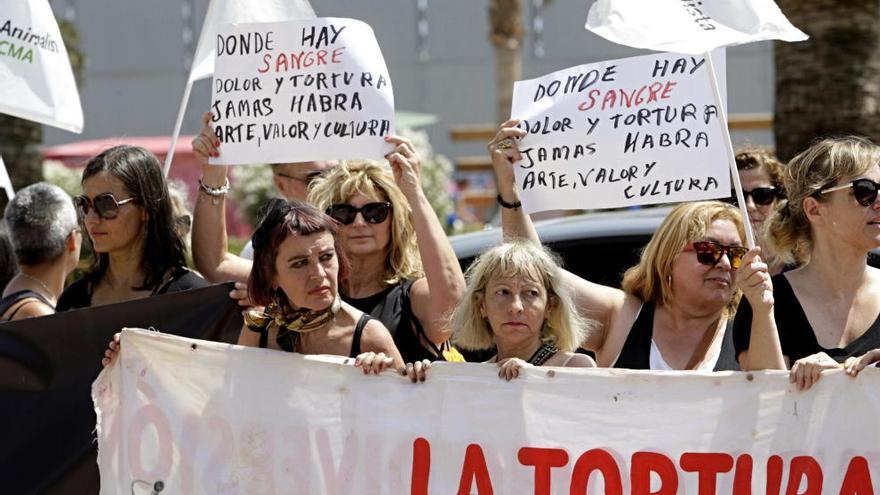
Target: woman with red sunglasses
x=827 y=310
x=126 y=212
x=676 y=305
x=403 y=269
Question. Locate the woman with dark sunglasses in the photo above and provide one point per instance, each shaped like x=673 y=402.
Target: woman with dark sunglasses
x=404 y=272
x=676 y=305
x=137 y=251
x=828 y=309
x=761 y=176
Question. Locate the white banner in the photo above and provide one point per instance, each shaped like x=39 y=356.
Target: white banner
x=195 y=417
x=633 y=131
x=689 y=26
x=299 y=91
x=232 y=11
x=35 y=75
x=5 y=181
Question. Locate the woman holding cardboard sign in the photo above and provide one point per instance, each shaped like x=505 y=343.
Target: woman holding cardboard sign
x=676 y=304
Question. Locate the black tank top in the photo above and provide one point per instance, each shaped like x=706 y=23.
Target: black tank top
x=355 y=339
x=636 y=352
x=16 y=297
x=393 y=308
x=796 y=335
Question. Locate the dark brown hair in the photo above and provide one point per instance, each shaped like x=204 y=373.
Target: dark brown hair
x=284 y=218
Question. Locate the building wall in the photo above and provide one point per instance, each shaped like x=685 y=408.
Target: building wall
x=136 y=63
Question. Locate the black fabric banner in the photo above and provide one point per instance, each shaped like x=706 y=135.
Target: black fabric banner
x=47 y=366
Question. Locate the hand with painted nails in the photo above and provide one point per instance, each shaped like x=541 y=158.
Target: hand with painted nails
x=373 y=362
x=417 y=371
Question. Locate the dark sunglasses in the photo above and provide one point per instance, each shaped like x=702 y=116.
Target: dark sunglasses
x=106 y=205
x=709 y=253
x=308 y=179
x=372 y=212
x=864 y=190
x=762 y=196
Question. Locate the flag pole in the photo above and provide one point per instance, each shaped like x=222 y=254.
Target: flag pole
x=731 y=160
x=5 y=181
x=177 y=125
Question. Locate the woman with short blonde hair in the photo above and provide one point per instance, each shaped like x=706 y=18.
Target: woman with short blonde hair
x=515 y=301
x=403 y=270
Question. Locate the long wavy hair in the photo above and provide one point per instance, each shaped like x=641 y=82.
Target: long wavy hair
x=139 y=171
x=371 y=179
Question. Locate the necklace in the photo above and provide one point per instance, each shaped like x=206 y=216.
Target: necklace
x=48 y=293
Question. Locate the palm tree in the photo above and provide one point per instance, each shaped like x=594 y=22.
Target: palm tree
x=829 y=84
x=506 y=24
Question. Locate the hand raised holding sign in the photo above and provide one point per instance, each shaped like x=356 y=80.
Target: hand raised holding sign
x=206 y=144
x=406 y=165
x=504 y=153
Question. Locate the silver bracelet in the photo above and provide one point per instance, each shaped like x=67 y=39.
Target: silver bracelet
x=214 y=191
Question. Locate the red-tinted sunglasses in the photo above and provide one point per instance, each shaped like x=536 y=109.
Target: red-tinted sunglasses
x=709 y=253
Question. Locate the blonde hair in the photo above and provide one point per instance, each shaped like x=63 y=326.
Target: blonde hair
x=563 y=327
x=822 y=165
x=371 y=179
x=650 y=280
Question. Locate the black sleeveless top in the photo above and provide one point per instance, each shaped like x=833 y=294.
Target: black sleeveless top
x=393 y=308
x=16 y=297
x=796 y=335
x=355 y=339
x=636 y=352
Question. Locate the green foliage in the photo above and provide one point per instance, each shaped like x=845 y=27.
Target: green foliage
x=66 y=178
x=251 y=189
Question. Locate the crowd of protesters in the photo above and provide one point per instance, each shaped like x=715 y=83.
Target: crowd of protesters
x=352 y=261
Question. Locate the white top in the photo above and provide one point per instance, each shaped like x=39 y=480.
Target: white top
x=658 y=363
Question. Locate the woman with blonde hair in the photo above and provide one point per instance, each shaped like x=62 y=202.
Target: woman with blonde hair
x=675 y=305
x=827 y=310
x=516 y=303
x=403 y=270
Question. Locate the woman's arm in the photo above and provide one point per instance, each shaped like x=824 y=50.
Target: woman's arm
x=210 y=248
x=503 y=151
x=376 y=338
x=248 y=337
x=765 y=350
x=439 y=291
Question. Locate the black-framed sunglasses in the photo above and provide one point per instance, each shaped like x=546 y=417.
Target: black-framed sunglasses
x=709 y=253
x=864 y=190
x=374 y=213
x=762 y=196
x=307 y=179
x=106 y=205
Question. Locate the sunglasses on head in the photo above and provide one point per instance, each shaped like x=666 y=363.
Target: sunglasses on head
x=709 y=253
x=762 y=196
x=372 y=212
x=106 y=205
x=864 y=190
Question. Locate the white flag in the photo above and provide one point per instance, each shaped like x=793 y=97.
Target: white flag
x=5 y=183
x=239 y=11
x=689 y=26
x=35 y=76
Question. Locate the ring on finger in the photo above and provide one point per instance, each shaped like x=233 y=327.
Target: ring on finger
x=505 y=144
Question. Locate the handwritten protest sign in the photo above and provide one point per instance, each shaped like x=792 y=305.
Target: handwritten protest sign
x=625 y=132
x=207 y=418
x=299 y=91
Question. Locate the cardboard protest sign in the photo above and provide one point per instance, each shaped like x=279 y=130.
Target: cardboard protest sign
x=206 y=418
x=299 y=91
x=618 y=133
x=689 y=26
x=35 y=72
x=5 y=182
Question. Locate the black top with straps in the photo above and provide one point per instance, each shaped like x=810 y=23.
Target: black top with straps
x=393 y=308
x=636 y=352
x=15 y=298
x=796 y=335
x=79 y=294
x=355 y=339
